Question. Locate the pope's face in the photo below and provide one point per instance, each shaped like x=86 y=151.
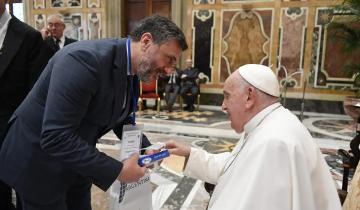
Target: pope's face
x=235 y=97
x=158 y=60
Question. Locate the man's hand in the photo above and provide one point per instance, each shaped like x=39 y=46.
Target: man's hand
x=131 y=171
x=45 y=33
x=176 y=148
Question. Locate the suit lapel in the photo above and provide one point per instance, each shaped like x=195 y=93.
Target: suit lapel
x=120 y=83
x=12 y=42
x=66 y=41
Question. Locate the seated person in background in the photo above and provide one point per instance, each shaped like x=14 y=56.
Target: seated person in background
x=172 y=89
x=276 y=164
x=189 y=77
x=53 y=34
x=162 y=81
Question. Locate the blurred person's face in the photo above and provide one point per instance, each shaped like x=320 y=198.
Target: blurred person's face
x=158 y=59
x=56 y=27
x=188 y=63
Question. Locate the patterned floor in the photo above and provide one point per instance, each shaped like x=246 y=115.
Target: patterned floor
x=210 y=130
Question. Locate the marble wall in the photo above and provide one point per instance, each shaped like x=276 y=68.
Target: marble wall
x=290 y=36
x=328 y=56
x=244 y=31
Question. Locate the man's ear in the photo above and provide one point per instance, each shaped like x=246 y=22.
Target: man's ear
x=146 y=40
x=251 y=97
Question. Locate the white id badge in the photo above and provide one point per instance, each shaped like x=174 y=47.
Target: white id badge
x=130 y=141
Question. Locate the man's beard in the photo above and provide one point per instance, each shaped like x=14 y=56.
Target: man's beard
x=146 y=71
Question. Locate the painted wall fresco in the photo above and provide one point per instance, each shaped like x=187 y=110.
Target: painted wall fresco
x=291 y=46
x=245 y=39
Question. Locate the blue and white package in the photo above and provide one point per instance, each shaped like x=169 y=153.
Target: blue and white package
x=147 y=159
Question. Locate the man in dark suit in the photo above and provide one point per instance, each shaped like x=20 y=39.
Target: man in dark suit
x=83 y=92
x=189 y=85
x=172 y=88
x=22 y=57
x=53 y=34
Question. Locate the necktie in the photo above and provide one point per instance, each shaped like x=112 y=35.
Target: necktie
x=172 y=79
x=57 y=46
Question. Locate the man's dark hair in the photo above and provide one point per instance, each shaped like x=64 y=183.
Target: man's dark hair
x=161 y=29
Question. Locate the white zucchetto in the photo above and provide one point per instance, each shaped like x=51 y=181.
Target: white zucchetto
x=261 y=77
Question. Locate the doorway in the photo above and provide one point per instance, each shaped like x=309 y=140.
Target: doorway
x=135 y=10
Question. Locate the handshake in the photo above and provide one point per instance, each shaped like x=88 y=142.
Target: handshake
x=135 y=167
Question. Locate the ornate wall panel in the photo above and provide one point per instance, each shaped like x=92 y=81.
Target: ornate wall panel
x=84 y=19
x=39 y=4
x=291 y=45
x=328 y=57
x=203 y=31
x=204 y=2
x=283 y=34
x=245 y=39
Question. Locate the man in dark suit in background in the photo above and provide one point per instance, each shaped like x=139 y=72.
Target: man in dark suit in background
x=189 y=85
x=53 y=34
x=22 y=57
x=88 y=88
x=172 y=89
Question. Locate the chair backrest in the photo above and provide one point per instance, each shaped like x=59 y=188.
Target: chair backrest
x=149 y=87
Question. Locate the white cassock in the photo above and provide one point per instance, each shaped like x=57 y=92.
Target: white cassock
x=280 y=167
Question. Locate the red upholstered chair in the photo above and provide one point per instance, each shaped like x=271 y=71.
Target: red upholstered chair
x=149 y=91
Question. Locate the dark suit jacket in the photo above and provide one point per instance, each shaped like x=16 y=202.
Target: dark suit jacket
x=77 y=99
x=177 y=77
x=22 y=58
x=51 y=43
x=192 y=76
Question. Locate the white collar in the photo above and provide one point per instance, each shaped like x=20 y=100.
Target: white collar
x=62 y=39
x=5 y=17
x=4 y=24
x=259 y=117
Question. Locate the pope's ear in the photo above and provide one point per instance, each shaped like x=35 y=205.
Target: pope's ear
x=251 y=97
x=146 y=40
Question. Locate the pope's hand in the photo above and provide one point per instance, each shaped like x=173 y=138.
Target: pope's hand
x=131 y=171
x=150 y=152
x=176 y=148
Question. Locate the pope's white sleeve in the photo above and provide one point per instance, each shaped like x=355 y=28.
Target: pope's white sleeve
x=205 y=166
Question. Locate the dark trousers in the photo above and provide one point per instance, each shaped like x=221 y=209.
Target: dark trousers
x=171 y=92
x=189 y=99
x=5 y=190
x=5 y=197
x=77 y=197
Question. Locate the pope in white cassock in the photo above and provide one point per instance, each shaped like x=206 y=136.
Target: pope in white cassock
x=275 y=166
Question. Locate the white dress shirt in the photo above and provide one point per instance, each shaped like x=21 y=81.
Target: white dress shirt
x=4 y=23
x=62 y=41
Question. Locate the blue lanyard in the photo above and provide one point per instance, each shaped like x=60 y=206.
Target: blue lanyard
x=133 y=95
